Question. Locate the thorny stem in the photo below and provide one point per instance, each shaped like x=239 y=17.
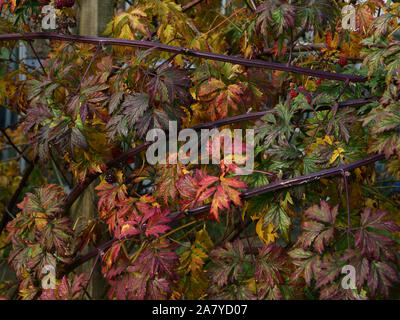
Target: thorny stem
x=256 y=63
x=190 y=5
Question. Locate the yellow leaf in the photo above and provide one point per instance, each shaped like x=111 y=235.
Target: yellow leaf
x=204 y=239
x=120 y=176
x=328 y=140
x=40 y=220
x=136 y=20
x=125 y=227
x=119 y=19
x=252 y=285
x=267 y=235
x=126 y=33
x=337 y=153
x=147 y=199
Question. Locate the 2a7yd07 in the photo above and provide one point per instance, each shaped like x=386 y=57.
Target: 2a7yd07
x=223 y=309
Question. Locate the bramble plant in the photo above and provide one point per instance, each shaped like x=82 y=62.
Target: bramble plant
x=322 y=100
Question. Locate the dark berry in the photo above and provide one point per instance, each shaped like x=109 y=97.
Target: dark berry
x=110 y=178
x=293 y=94
x=343 y=61
x=59 y=4
x=69 y=3
x=64 y=3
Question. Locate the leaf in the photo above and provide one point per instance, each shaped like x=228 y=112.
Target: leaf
x=39 y=234
x=203 y=240
x=134 y=107
x=157 y=224
x=78 y=139
x=136 y=17
x=220 y=98
x=277 y=216
x=308 y=264
x=331 y=268
x=266 y=234
x=270 y=263
x=132 y=111
x=169 y=177
x=383 y=275
x=194 y=281
x=170 y=83
x=35 y=116
x=278 y=15
x=371 y=243
x=115 y=101
x=188 y=187
x=40 y=220
x=381 y=24
x=126 y=24
x=224 y=193
x=322 y=213
x=228 y=262
x=220 y=201
x=110 y=195
x=336 y=154
x=320 y=231
x=364 y=18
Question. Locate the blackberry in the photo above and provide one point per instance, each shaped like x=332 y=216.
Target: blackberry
x=110 y=178
x=69 y=3
x=64 y=3
x=343 y=61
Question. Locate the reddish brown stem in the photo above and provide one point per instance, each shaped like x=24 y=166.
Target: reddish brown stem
x=190 y=5
x=195 y=53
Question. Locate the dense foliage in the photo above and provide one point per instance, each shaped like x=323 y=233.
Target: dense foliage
x=187 y=231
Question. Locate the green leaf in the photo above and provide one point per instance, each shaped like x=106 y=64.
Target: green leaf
x=280 y=219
